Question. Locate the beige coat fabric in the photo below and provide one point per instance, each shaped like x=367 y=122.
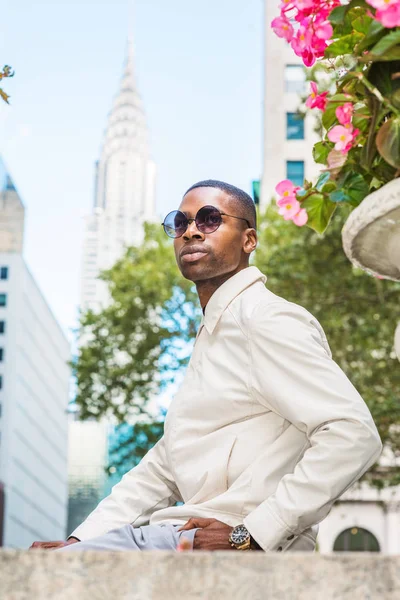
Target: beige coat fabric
x=265 y=430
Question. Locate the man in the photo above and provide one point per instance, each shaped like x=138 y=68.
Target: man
x=266 y=431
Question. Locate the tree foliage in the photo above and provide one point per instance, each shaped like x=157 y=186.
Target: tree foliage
x=131 y=348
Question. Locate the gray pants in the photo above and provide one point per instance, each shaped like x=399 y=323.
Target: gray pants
x=148 y=537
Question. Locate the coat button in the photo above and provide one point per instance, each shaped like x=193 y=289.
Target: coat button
x=279 y=549
x=290 y=537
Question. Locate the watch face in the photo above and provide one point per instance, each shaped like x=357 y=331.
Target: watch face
x=240 y=534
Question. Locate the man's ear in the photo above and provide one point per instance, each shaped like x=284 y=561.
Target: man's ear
x=250 y=241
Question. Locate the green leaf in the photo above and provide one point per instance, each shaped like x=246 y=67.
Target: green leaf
x=375 y=32
x=362 y=24
x=328 y=187
x=388 y=142
x=391 y=54
x=384 y=76
x=395 y=98
x=356 y=188
x=344 y=45
x=338 y=15
x=329 y=116
x=322 y=180
x=319 y=210
x=340 y=98
x=321 y=151
x=386 y=42
x=339 y=196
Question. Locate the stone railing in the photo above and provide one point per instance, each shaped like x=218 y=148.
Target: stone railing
x=41 y=575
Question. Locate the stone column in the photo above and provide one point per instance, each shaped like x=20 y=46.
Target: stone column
x=392 y=510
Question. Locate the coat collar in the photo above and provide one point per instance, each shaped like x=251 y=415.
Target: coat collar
x=227 y=292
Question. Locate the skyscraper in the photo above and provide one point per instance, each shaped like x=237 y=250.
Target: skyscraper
x=124 y=195
x=34 y=382
x=12 y=215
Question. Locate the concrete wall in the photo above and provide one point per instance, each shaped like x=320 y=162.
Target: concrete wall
x=200 y=576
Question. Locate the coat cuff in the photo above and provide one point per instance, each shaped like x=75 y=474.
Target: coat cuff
x=268 y=529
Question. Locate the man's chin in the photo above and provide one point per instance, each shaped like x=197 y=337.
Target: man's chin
x=194 y=272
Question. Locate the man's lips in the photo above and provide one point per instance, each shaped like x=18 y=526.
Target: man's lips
x=192 y=253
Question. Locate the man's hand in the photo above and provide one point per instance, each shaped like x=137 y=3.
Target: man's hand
x=212 y=535
x=53 y=545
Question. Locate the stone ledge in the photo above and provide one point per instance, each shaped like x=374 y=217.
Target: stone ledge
x=206 y=576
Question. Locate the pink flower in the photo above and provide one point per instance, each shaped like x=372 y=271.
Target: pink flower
x=316 y=100
x=382 y=4
x=323 y=30
x=309 y=58
x=311 y=36
x=288 y=207
x=283 y=28
x=343 y=136
x=389 y=17
x=300 y=218
x=387 y=12
x=286 y=188
x=344 y=113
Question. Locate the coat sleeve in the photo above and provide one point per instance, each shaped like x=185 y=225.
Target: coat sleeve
x=144 y=489
x=294 y=375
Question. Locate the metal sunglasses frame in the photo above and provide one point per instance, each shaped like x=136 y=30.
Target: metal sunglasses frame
x=189 y=221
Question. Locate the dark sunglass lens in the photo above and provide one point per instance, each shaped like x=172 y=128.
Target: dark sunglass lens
x=208 y=219
x=175 y=224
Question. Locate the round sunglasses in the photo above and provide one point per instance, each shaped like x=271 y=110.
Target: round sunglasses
x=207 y=220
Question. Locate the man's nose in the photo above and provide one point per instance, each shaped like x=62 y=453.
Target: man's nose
x=192 y=232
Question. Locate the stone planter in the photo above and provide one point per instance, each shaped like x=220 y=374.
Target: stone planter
x=371 y=235
x=397 y=341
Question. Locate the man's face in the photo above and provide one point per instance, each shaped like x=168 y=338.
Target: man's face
x=223 y=252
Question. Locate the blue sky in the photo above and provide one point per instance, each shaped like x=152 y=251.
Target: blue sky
x=199 y=71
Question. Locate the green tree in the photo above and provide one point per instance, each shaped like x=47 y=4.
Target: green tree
x=132 y=348
x=130 y=444
x=359 y=313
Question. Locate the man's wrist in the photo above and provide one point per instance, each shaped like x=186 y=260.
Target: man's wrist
x=72 y=539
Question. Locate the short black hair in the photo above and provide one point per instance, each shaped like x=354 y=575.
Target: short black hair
x=243 y=201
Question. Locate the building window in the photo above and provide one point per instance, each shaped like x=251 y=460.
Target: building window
x=3 y=299
x=295 y=79
x=4 y=273
x=294 y=126
x=356 y=539
x=1 y=354
x=295 y=171
x=2 y=326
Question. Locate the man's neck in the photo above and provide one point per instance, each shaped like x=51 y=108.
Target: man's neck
x=206 y=288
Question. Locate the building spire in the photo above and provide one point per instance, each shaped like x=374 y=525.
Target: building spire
x=129 y=69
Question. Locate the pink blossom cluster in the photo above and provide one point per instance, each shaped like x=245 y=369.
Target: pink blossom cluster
x=387 y=12
x=344 y=134
x=289 y=206
x=304 y=24
x=316 y=99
